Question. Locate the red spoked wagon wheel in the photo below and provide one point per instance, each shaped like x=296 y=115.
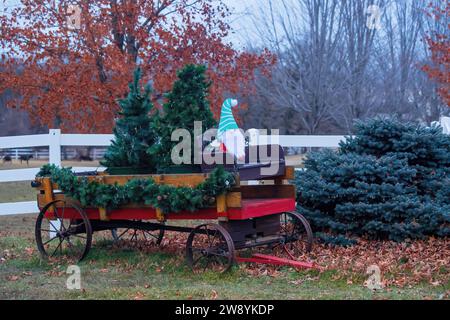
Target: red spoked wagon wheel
x=210 y=246
x=135 y=236
x=63 y=232
x=296 y=233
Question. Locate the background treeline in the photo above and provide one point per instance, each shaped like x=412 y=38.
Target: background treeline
x=332 y=68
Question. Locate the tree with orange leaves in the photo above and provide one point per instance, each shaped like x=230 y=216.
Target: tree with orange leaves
x=439 y=44
x=69 y=61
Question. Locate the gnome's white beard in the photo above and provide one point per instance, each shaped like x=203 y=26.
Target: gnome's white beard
x=234 y=141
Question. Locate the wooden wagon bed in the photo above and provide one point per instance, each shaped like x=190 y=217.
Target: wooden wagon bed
x=243 y=202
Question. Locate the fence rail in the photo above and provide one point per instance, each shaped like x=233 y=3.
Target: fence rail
x=55 y=140
x=96 y=153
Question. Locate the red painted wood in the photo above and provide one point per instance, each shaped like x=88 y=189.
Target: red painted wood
x=266 y=259
x=293 y=263
x=251 y=208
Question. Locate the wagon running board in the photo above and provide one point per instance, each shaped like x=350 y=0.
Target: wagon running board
x=266 y=259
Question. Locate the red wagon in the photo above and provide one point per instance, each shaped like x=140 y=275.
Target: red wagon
x=247 y=216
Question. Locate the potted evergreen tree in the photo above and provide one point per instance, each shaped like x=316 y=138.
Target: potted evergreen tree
x=186 y=103
x=134 y=133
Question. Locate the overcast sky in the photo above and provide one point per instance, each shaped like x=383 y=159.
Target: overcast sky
x=241 y=21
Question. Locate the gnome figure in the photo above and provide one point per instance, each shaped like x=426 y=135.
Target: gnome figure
x=229 y=137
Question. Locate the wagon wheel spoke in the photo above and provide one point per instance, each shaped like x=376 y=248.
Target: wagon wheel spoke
x=78 y=225
x=78 y=236
x=208 y=261
x=197 y=260
x=55 y=229
x=133 y=236
x=214 y=237
x=218 y=254
x=120 y=236
x=151 y=235
x=48 y=241
x=59 y=245
x=62 y=219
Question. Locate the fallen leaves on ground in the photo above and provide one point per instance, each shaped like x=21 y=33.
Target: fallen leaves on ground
x=139 y=296
x=400 y=263
x=13 y=278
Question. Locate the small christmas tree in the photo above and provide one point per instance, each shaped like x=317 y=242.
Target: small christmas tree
x=134 y=131
x=186 y=103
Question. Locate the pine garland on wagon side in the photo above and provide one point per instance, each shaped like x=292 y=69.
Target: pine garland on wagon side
x=168 y=198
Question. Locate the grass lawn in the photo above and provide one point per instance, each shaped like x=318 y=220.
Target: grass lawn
x=160 y=273
x=21 y=190
x=17 y=191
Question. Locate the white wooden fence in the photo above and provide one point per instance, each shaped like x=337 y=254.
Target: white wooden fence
x=54 y=140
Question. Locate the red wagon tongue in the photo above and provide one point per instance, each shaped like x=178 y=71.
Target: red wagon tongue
x=267 y=259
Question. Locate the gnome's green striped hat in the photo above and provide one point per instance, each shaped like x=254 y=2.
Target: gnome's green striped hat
x=227 y=121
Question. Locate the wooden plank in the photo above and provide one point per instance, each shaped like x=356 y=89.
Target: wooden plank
x=289 y=173
x=48 y=192
x=178 y=180
x=234 y=200
x=221 y=203
x=42 y=201
x=268 y=191
x=160 y=215
x=103 y=213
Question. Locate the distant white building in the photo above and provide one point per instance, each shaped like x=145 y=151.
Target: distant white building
x=444 y=122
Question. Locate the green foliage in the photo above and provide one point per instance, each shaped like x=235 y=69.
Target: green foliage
x=165 y=197
x=186 y=103
x=390 y=181
x=134 y=131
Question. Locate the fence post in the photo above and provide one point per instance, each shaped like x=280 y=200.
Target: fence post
x=55 y=147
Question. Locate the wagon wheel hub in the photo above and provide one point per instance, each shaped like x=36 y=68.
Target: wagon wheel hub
x=63 y=235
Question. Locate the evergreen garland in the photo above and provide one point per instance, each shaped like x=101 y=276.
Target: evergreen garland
x=165 y=197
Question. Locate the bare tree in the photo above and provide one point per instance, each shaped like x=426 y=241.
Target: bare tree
x=359 y=95
x=306 y=36
x=336 y=66
x=402 y=50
